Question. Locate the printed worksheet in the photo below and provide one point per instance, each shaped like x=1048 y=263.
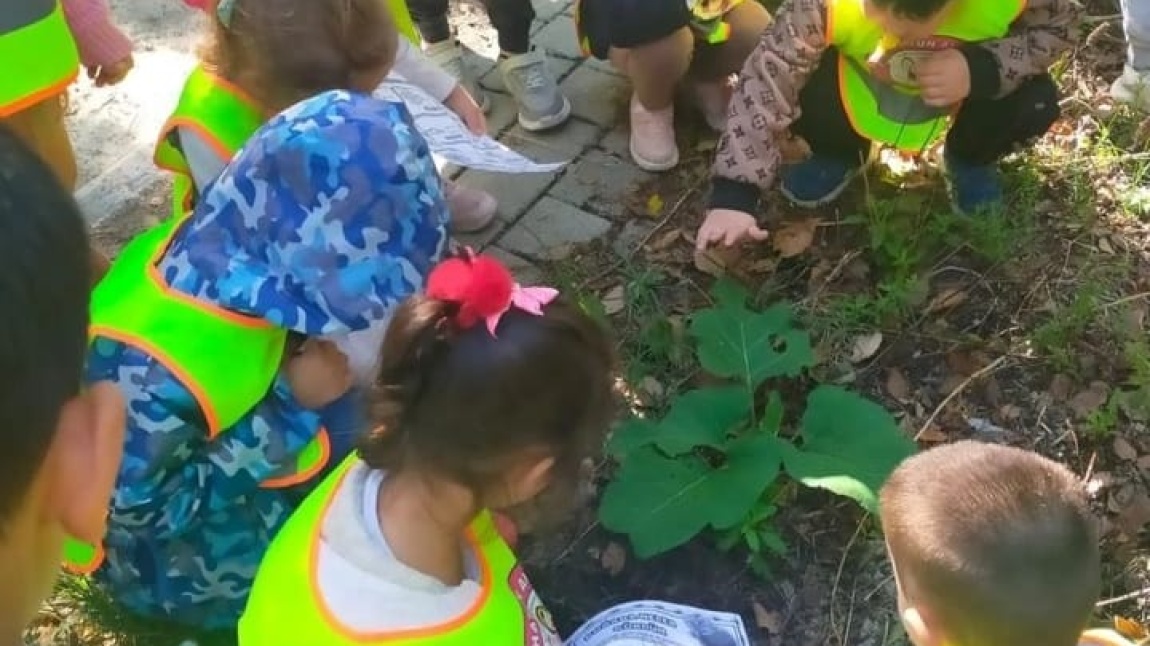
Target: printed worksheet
x=655 y=623
x=450 y=141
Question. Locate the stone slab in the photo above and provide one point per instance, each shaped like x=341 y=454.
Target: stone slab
x=525 y=271
x=558 y=36
x=600 y=183
x=596 y=96
x=551 y=229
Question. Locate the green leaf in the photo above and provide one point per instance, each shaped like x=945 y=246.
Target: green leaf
x=772 y=540
x=703 y=418
x=631 y=435
x=850 y=446
x=772 y=420
x=736 y=342
x=729 y=292
x=662 y=502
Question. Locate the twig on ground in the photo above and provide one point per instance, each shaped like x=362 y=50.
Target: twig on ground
x=663 y=222
x=978 y=374
x=838 y=578
x=1125 y=597
x=1126 y=299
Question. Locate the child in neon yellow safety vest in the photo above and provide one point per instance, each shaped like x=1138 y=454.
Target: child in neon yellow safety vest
x=267 y=54
x=42 y=44
x=62 y=445
x=329 y=217
x=830 y=78
x=992 y=544
x=470 y=415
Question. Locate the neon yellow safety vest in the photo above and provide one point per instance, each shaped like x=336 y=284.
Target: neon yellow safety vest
x=286 y=608
x=888 y=112
x=199 y=343
x=37 y=52
x=225 y=117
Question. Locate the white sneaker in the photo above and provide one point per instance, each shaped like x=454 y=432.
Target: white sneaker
x=1133 y=89
x=528 y=78
x=472 y=209
x=448 y=55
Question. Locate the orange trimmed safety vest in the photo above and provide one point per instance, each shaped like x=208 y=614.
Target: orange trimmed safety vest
x=225 y=117
x=876 y=75
x=199 y=343
x=286 y=607
x=37 y=52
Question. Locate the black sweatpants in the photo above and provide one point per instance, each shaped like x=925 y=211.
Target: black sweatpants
x=983 y=131
x=511 y=19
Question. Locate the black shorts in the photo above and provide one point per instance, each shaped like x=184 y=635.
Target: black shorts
x=604 y=24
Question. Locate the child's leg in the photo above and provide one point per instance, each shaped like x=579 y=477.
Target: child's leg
x=430 y=18
x=525 y=71
x=714 y=64
x=986 y=130
x=1136 y=22
x=512 y=21
x=41 y=127
x=837 y=151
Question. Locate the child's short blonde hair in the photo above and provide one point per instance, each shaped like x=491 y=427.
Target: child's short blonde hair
x=996 y=544
x=283 y=51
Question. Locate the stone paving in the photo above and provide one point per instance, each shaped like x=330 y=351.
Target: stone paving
x=542 y=217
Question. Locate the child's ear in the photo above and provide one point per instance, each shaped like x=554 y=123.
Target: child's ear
x=528 y=479
x=86 y=456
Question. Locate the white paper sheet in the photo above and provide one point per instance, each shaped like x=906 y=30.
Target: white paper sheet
x=655 y=623
x=450 y=140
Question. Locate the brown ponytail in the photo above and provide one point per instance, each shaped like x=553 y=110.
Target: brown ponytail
x=463 y=404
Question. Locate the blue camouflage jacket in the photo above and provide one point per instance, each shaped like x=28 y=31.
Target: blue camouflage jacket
x=330 y=216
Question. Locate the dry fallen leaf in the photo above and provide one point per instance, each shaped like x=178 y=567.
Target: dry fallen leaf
x=1124 y=450
x=794 y=237
x=1132 y=506
x=716 y=260
x=768 y=620
x=1060 y=387
x=897 y=385
x=947 y=298
x=1144 y=463
x=614 y=300
x=1130 y=628
x=665 y=240
x=865 y=347
x=613 y=558
x=933 y=435
x=1091 y=399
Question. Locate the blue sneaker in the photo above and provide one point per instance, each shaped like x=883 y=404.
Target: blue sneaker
x=973 y=188
x=817 y=181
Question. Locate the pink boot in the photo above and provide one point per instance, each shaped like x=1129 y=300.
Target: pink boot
x=653 y=144
x=472 y=209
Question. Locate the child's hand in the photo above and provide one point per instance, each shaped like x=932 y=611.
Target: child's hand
x=728 y=227
x=943 y=78
x=105 y=75
x=463 y=104
x=318 y=374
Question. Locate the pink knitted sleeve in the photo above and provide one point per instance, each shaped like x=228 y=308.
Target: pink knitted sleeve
x=99 y=40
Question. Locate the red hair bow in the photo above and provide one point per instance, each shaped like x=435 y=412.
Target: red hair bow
x=484 y=290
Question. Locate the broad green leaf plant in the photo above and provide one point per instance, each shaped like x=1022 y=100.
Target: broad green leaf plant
x=717 y=461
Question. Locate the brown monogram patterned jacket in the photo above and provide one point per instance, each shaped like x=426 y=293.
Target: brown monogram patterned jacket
x=766 y=99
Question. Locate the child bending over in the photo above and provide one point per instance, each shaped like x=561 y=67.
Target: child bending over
x=42 y=44
x=839 y=75
x=264 y=55
x=991 y=545
x=329 y=217
x=658 y=45
x=472 y=417
x=61 y=445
